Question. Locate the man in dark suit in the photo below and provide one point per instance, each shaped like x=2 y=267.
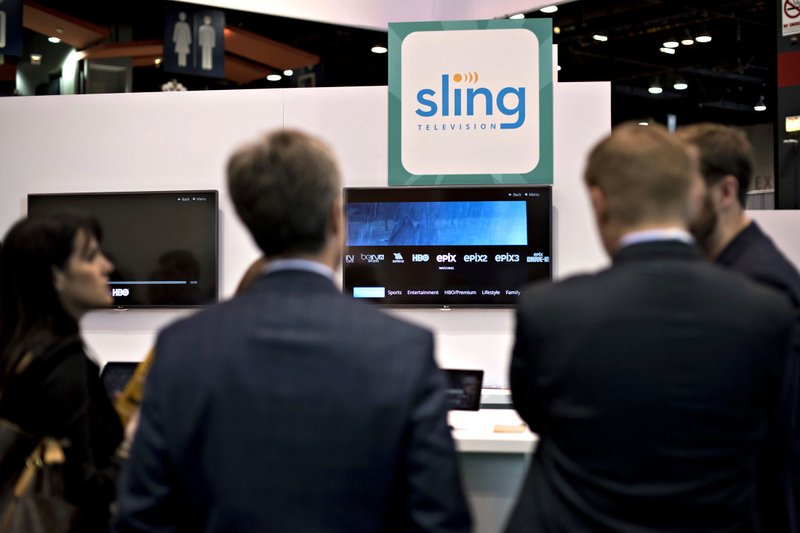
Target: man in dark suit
x=734 y=241
x=649 y=383
x=292 y=407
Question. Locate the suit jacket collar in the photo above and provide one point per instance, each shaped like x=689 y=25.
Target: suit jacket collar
x=657 y=250
x=742 y=242
x=294 y=280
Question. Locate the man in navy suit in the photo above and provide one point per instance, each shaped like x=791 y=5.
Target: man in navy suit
x=292 y=408
x=734 y=241
x=650 y=383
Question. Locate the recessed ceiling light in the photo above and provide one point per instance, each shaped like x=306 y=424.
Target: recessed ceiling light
x=549 y=9
x=556 y=29
x=644 y=123
x=36 y=59
x=687 y=42
x=672 y=43
x=600 y=37
x=760 y=105
x=680 y=85
x=379 y=49
x=157 y=61
x=704 y=37
x=517 y=16
x=558 y=67
x=655 y=89
x=54 y=40
x=670 y=51
x=274 y=77
x=288 y=72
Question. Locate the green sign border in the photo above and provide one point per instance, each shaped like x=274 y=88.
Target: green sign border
x=542 y=173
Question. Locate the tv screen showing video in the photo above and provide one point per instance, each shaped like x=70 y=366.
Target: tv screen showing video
x=446 y=246
x=164 y=245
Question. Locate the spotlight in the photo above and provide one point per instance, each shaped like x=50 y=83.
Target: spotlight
x=671 y=43
x=760 y=105
x=54 y=40
x=379 y=49
x=600 y=37
x=703 y=37
x=655 y=88
x=517 y=16
x=274 y=77
x=36 y=59
x=680 y=84
x=670 y=51
x=288 y=72
x=549 y=9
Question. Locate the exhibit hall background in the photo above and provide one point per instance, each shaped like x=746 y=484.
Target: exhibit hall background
x=174 y=141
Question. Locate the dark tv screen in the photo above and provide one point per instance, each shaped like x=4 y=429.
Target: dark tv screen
x=164 y=245
x=446 y=246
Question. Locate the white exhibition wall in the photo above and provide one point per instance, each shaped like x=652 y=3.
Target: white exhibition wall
x=173 y=141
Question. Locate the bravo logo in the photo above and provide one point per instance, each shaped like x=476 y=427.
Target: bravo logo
x=470 y=102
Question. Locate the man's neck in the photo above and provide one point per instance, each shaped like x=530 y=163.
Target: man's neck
x=729 y=226
x=648 y=231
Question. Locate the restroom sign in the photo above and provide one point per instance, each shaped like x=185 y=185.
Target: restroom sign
x=194 y=40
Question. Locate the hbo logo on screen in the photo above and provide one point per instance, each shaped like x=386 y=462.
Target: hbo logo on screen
x=120 y=292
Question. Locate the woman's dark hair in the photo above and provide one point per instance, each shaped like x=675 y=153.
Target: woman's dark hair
x=31 y=314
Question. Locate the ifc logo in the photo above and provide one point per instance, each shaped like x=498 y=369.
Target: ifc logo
x=469 y=104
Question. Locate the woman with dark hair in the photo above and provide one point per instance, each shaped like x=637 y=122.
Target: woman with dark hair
x=52 y=271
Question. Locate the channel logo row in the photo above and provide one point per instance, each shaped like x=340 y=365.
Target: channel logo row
x=446 y=258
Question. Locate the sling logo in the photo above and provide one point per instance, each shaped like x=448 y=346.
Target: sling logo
x=470 y=102
x=460 y=102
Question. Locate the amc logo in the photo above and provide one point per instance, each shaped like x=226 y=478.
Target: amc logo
x=470 y=102
x=120 y=292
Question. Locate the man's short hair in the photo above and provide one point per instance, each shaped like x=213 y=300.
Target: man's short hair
x=644 y=172
x=283 y=187
x=724 y=150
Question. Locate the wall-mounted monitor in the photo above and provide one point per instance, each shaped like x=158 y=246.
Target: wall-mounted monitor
x=164 y=244
x=446 y=246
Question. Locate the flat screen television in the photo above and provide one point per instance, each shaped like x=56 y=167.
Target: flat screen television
x=470 y=246
x=164 y=244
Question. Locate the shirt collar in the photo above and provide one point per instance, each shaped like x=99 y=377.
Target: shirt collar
x=300 y=264
x=652 y=235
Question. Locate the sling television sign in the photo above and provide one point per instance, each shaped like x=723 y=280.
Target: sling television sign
x=470 y=102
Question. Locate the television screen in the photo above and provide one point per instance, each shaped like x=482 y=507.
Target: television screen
x=446 y=246
x=164 y=245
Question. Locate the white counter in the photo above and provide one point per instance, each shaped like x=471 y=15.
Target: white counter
x=491 y=431
x=495 y=448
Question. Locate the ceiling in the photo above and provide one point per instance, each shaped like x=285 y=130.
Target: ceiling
x=725 y=76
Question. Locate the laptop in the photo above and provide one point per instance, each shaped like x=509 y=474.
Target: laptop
x=464 y=389
x=115 y=376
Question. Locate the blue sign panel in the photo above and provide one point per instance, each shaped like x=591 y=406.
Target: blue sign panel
x=11 y=27
x=194 y=40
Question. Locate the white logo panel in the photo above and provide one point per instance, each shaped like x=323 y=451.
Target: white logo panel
x=470 y=102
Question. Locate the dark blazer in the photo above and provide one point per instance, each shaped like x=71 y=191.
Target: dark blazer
x=754 y=254
x=650 y=385
x=293 y=408
x=60 y=394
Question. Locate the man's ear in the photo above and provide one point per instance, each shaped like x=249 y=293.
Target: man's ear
x=599 y=202
x=336 y=215
x=728 y=188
